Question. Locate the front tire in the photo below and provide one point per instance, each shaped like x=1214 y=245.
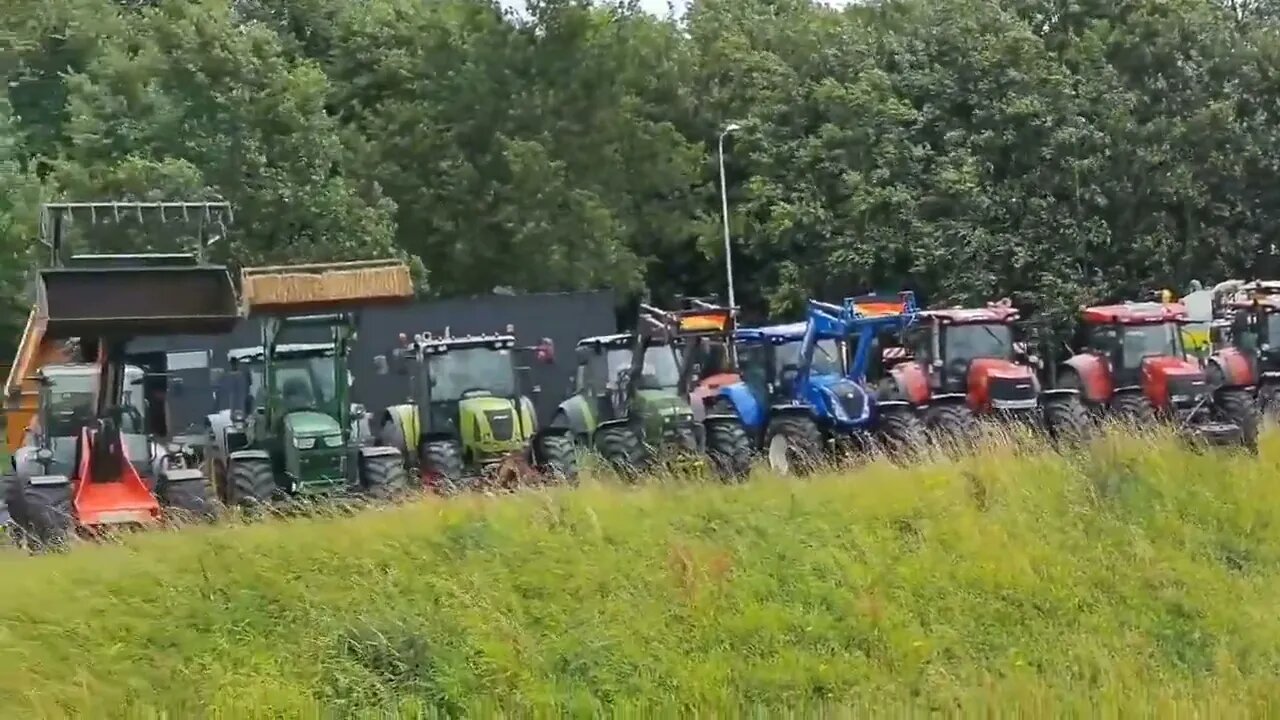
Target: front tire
x=190 y=498
x=1133 y=407
x=1236 y=406
x=793 y=444
x=729 y=449
x=441 y=466
x=251 y=484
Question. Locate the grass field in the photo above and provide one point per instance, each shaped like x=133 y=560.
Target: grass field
x=1139 y=579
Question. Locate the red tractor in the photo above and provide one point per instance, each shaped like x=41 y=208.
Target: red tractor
x=1131 y=362
x=960 y=364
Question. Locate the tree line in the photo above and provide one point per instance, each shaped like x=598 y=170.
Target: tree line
x=1053 y=151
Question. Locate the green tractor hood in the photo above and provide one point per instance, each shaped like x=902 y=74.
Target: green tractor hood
x=315 y=455
x=662 y=411
x=494 y=426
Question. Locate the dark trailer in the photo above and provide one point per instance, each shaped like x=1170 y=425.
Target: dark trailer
x=565 y=318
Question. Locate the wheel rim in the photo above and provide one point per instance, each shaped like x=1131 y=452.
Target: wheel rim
x=779 y=454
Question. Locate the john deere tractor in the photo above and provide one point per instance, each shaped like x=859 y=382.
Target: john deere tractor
x=631 y=395
x=289 y=431
x=478 y=421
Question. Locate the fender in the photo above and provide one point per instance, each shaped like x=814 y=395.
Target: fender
x=575 y=412
x=791 y=409
x=1095 y=377
x=250 y=455
x=1059 y=392
x=399 y=425
x=1233 y=367
x=368 y=451
x=181 y=475
x=913 y=383
x=948 y=398
x=746 y=404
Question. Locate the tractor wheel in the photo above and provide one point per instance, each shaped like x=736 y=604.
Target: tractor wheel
x=1236 y=406
x=190 y=498
x=1133 y=407
x=1269 y=401
x=953 y=423
x=440 y=462
x=555 y=456
x=1066 y=419
x=42 y=513
x=251 y=484
x=793 y=444
x=383 y=477
x=729 y=449
x=901 y=430
x=621 y=448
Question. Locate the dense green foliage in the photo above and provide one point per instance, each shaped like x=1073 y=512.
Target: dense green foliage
x=1138 y=580
x=1053 y=151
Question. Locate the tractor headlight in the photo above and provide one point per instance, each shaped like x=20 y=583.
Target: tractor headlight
x=333 y=441
x=304 y=443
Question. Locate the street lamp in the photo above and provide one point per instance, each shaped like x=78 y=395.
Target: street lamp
x=724 y=207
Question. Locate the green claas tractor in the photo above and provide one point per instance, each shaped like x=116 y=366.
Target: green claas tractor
x=631 y=395
x=478 y=423
x=289 y=431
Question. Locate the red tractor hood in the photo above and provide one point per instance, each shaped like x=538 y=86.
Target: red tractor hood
x=996 y=383
x=1165 y=376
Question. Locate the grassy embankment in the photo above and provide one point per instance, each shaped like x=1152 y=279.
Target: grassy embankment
x=1134 y=578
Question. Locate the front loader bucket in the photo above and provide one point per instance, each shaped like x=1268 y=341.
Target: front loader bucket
x=325 y=287
x=130 y=301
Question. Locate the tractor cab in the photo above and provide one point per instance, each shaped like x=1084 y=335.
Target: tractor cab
x=604 y=371
x=1142 y=346
x=973 y=353
x=770 y=358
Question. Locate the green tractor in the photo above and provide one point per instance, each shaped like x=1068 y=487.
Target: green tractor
x=631 y=395
x=290 y=434
x=289 y=431
x=479 y=422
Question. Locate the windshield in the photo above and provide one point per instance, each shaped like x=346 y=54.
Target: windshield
x=1273 y=327
x=463 y=370
x=661 y=372
x=1144 y=341
x=979 y=340
x=70 y=405
x=826 y=357
x=301 y=383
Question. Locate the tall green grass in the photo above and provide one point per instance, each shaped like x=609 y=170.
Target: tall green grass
x=1138 y=578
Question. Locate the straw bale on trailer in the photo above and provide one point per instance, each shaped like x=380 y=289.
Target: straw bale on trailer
x=288 y=287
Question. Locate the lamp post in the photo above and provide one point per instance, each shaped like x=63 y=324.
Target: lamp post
x=724 y=208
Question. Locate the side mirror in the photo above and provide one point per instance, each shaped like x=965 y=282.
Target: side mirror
x=380 y=365
x=216 y=375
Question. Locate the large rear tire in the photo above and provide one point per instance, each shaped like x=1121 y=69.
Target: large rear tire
x=441 y=464
x=383 y=477
x=793 y=444
x=251 y=484
x=901 y=430
x=953 y=423
x=1066 y=419
x=1133 y=407
x=620 y=446
x=556 y=457
x=729 y=449
x=1236 y=406
x=42 y=513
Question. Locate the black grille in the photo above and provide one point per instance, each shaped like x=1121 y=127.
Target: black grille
x=1011 y=389
x=1186 y=391
x=501 y=423
x=852 y=399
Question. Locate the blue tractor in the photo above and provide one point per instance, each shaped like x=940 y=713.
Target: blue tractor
x=801 y=388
